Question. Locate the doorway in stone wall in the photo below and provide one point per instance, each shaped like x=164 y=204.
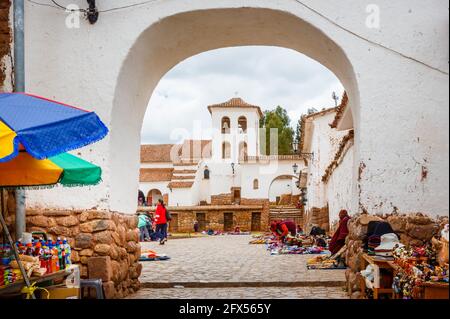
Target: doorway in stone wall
x=256 y=222
x=228 y=222
x=201 y=218
x=173 y=224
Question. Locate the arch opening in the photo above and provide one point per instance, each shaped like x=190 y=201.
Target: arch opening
x=165 y=44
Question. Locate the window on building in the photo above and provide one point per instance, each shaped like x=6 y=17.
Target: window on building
x=226 y=125
x=242 y=125
x=206 y=173
x=255 y=183
x=226 y=150
x=243 y=151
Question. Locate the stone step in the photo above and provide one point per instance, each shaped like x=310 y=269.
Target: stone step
x=231 y=284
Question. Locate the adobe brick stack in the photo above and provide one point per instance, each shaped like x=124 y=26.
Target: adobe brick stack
x=318 y=216
x=222 y=199
x=5 y=43
x=104 y=244
x=413 y=229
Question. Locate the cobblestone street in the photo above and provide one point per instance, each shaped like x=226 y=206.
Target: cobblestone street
x=229 y=267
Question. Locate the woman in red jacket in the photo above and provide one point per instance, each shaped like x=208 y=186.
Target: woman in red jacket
x=161 y=221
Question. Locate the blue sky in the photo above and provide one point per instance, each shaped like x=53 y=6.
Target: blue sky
x=265 y=76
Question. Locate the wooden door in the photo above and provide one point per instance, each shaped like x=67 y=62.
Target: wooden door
x=228 y=221
x=256 y=221
x=201 y=218
x=173 y=224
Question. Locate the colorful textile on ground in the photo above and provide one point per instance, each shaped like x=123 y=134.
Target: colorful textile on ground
x=263 y=239
x=283 y=249
x=43 y=127
x=65 y=169
x=239 y=233
x=150 y=255
x=324 y=262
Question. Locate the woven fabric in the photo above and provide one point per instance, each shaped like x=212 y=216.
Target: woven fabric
x=47 y=128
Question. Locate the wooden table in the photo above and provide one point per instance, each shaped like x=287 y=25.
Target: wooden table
x=377 y=264
x=431 y=290
x=435 y=290
x=16 y=287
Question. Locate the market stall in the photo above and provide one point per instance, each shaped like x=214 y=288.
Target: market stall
x=392 y=270
x=34 y=134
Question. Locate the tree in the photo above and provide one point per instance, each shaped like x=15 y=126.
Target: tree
x=278 y=119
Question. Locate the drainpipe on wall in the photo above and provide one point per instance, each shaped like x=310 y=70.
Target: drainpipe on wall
x=19 y=86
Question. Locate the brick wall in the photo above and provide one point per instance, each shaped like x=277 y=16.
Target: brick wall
x=5 y=45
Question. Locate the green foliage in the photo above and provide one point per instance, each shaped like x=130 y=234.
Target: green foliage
x=277 y=119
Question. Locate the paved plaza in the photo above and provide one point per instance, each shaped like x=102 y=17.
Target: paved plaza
x=229 y=267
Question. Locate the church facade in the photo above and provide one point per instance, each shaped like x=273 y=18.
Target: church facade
x=225 y=182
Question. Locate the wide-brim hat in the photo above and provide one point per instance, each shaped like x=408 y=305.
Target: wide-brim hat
x=388 y=243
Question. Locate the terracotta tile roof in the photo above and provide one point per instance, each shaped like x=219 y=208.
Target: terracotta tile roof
x=175 y=177
x=196 y=149
x=340 y=110
x=180 y=184
x=153 y=153
x=155 y=174
x=235 y=102
x=184 y=171
x=335 y=163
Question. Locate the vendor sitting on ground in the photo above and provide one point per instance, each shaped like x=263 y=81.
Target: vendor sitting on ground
x=338 y=239
x=300 y=230
x=283 y=228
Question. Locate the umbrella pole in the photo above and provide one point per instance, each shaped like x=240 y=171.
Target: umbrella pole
x=13 y=246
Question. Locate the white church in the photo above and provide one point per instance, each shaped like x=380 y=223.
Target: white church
x=203 y=172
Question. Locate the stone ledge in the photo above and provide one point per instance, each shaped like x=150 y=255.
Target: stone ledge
x=230 y=284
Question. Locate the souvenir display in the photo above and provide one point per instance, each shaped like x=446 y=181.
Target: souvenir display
x=416 y=266
x=39 y=257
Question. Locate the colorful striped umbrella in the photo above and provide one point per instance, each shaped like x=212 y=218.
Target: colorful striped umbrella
x=65 y=169
x=43 y=127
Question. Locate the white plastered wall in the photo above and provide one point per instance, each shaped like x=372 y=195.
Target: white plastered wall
x=399 y=106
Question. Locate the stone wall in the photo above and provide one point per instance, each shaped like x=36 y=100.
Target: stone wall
x=222 y=199
x=184 y=217
x=413 y=229
x=104 y=244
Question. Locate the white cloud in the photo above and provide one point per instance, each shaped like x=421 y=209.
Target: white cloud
x=266 y=76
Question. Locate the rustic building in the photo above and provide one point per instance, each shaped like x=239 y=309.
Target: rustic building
x=199 y=178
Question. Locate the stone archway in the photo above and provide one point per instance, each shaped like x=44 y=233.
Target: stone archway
x=282 y=189
x=175 y=38
x=153 y=196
